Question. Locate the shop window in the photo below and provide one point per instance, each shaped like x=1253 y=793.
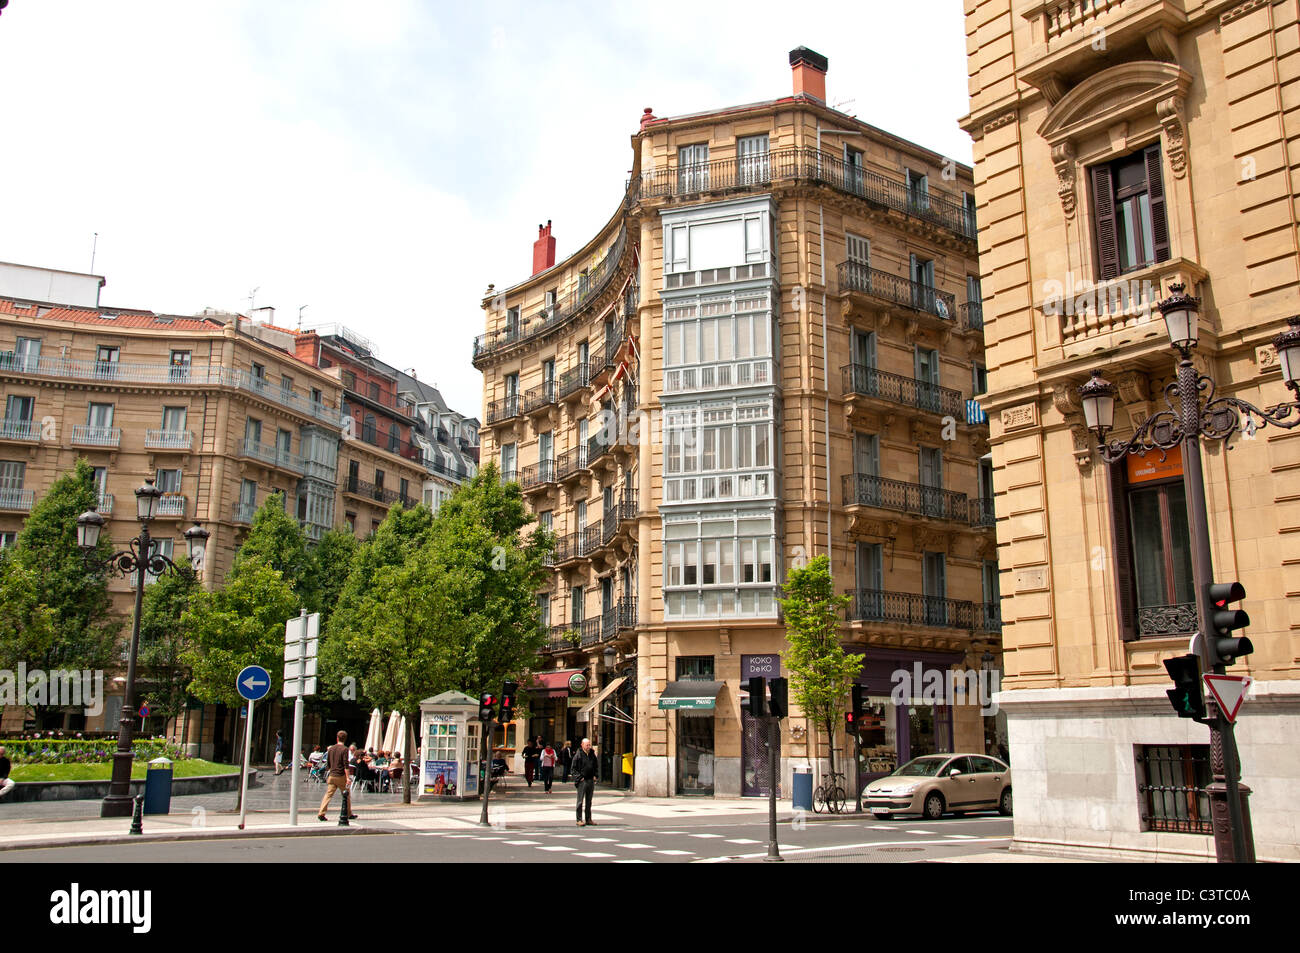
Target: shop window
x=1130 y=229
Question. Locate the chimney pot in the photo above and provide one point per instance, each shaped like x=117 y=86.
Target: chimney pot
x=543 y=248
x=809 y=69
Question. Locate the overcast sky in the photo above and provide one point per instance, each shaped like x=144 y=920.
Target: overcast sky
x=381 y=162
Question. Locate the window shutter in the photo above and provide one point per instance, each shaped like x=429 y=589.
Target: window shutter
x=1125 y=599
x=1156 y=191
x=1103 y=222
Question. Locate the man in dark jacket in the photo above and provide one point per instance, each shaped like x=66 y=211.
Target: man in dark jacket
x=584 y=772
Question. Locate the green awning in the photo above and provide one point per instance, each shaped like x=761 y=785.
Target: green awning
x=690 y=694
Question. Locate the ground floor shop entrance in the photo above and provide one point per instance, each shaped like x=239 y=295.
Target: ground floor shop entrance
x=695 y=752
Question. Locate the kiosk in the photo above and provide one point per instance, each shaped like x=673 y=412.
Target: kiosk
x=450 y=747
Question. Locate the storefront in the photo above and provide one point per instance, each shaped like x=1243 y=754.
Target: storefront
x=903 y=717
x=600 y=719
x=550 y=714
x=694 y=701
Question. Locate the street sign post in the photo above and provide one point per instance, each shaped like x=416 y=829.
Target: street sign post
x=301 y=638
x=253 y=682
x=1229 y=691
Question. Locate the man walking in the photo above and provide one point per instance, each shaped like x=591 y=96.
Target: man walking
x=336 y=757
x=584 y=772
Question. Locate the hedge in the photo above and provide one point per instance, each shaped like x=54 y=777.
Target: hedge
x=83 y=751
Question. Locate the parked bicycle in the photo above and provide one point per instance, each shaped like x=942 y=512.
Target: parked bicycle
x=830 y=795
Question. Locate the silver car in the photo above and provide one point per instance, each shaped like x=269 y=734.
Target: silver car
x=939 y=784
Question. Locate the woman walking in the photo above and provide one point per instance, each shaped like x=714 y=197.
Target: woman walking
x=548 y=759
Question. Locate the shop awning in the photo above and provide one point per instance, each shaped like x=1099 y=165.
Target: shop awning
x=690 y=694
x=551 y=684
x=584 y=713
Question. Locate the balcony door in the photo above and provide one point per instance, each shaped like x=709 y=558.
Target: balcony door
x=931 y=478
x=27 y=354
x=922 y=270
x=870 y=581
x=753 y=157
x=935 y=589
x=693 y=168
x=546 y=456
x=866 y=468
x=927 y=379
x=853 y=174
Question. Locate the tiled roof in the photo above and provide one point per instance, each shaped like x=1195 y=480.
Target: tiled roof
x=121 y=318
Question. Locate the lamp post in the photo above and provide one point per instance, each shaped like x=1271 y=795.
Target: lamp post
x=140 y=559
x=1188 y=419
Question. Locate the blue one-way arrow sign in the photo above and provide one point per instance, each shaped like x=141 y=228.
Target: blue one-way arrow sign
x=253 y=682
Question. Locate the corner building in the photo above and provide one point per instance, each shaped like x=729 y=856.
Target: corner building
x=769 y=352
x=1121 y=149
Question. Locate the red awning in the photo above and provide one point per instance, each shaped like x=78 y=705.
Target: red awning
x=551 y=684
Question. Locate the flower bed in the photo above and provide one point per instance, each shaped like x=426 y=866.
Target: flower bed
x=85 y=751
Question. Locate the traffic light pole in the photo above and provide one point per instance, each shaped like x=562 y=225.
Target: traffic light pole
x=487 y=769
x=773 y=852
x=1229 y=814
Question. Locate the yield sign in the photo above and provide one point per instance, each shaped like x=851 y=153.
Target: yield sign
x=1229 y=691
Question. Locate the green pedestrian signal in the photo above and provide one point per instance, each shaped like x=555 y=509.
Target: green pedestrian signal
x=1186 y=695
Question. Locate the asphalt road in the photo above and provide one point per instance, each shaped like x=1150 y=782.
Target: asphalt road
x=667 y=840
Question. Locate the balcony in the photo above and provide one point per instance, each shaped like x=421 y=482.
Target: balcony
x=376 y=493
x=909 y=608
x=105 y=504
x=598 y=279
x=620 y=616
x=597 y=447
x=939 y=209
x=988 y=617
x=540 y=397
x=241 y=514
x=972 y=316
x=20 y=431
x=863 y=381
x=981 y=512
x=272 y=456
x=507 y=408
x=172 y=505
x=169 y=375
x=84 y=436
x=589 y=632
x=931 y=502
x=168 y=439
x=537 y=475
x=562 y=638
x=750 y=373
x=856 y=278
x=573 y=380
x=570 y=464
x=14 y=499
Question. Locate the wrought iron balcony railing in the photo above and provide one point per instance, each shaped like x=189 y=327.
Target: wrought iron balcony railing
x=15 y=499
x=870 y=382
x=574 y=379
x=169 y=439
x=537 y=474
x=242 y=513
x=570 y=462
x=590 y=631
x=858 y=278
x=972 y=315
x=909 y=608
x=379 y=494
x=935 y=502
x=512 y=405
x=20 y=430
x=562 y=638
x=809 y=164
x=86 y=436
x=981 y=512
x=272 y=454
x=540 y=396
x=990 y=615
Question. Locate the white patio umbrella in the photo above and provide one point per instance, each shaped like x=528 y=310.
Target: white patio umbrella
x=390 y=735
x=372 y=733
x=401 y=739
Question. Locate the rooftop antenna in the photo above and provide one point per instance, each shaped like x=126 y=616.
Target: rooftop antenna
x=839 y=107
x=94 y=246
x=300 y=311
x=251 y=296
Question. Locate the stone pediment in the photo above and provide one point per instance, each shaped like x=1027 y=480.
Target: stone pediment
x=1114 y=95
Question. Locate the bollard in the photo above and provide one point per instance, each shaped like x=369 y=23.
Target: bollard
x=137 y=816
x=347 y=809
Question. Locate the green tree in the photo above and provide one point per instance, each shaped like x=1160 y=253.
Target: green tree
x=164 y=641
x=333 y=557
x=821 y=672
x=85 y=628
x=240 y=624
x=27 y=624
x=276 y=539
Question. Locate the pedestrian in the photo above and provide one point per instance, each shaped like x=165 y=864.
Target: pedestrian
x=548 y=759
x=5 y=784
x=336 y=757
x=279 y=753
x=584 y=772
x=566 y=759
x=530 y=762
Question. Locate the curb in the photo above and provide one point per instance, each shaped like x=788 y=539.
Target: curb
x=91 y=840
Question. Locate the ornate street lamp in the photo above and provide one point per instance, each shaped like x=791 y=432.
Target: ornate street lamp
x=1187 y=419
x=141 y=560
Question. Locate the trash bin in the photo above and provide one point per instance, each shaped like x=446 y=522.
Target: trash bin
x=803 y=787
x=158 y=787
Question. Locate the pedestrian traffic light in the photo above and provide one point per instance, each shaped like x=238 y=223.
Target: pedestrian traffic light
x=757 y=688
x=1186 y=695
x=779 y=703
x=1222 y=647
x=859 y=698
x=850 y=722
x=486 y=703
x=508 y=690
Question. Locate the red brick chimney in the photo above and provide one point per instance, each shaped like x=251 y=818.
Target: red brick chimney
x=809 y=73
x=543 y=248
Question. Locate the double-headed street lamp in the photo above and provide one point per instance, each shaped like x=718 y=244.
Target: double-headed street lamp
x=140 y=559
x=1187 y=420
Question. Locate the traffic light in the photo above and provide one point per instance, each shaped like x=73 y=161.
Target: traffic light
x=1223 y=648
x=757 y=688
x=1186 y=695
x=850 y=722
x=486 y=703
x=508 y=690
x=859 y=698
x=779 y=704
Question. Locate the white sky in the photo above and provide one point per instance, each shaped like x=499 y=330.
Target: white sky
x=383 y=161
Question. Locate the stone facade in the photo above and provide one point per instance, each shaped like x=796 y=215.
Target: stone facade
x=1122 y=149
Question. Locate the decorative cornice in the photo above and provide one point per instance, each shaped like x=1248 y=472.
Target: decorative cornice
x=1004 y=120
x=1241 y=10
